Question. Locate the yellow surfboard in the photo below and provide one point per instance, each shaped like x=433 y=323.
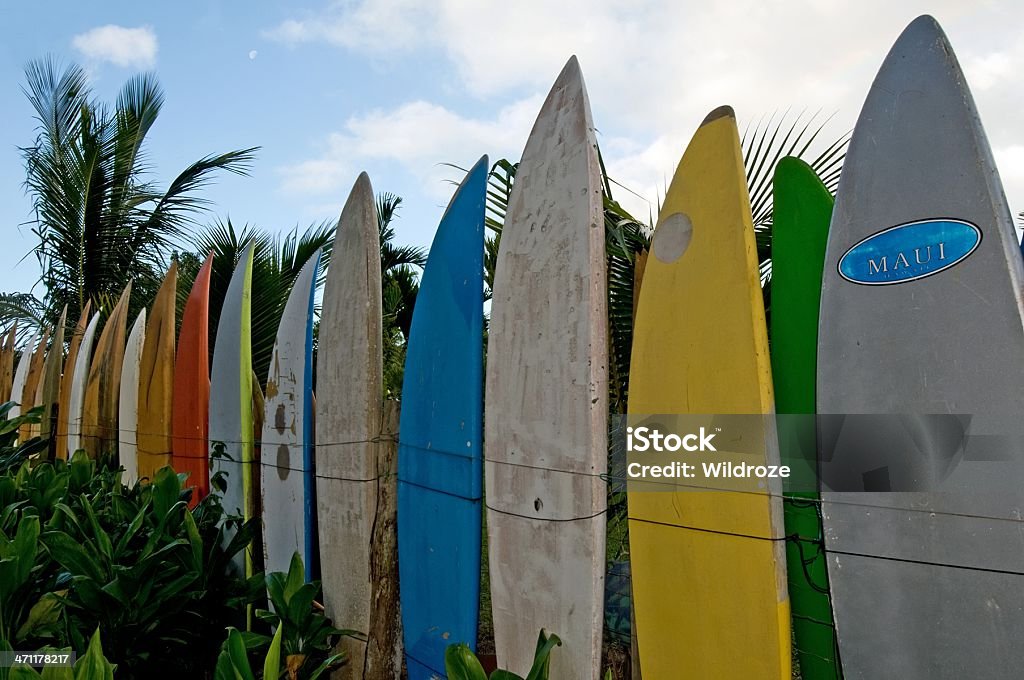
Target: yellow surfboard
x=156 y=381
x=708 y=566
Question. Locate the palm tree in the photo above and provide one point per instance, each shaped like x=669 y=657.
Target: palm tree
x=399 y=267
x=100 y=222
x=277 y=260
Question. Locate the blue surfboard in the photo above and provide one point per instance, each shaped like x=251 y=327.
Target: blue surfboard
x=439 y=449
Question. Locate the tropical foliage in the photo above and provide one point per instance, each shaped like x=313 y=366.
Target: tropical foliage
x=460 y=663
x=277 y=260
x=399 y=270
x=82 y=551
x=99 y=219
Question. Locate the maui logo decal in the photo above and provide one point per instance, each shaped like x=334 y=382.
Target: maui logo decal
x=908 y=252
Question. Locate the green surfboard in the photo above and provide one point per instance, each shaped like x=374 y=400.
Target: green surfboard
x=802 y=211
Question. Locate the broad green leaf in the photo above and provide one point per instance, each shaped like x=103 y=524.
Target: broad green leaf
x=460 y=663
x=93 y=665
x=43 y=614
x=272 y=664
x=71 y=555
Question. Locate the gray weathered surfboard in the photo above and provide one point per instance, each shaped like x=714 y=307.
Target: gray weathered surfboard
x=348 y=419
x=921 y=315
x=545 y=442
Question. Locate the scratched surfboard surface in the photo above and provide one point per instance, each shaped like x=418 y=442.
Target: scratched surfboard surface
x=547 y=401
x=921 y=316
x=286 y=464
x=348 y=419
x=439 y=458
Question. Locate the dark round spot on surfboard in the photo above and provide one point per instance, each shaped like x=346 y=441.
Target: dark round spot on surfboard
x=282 y=462
x=279 y=423
x=672 y=237
x=538 y=504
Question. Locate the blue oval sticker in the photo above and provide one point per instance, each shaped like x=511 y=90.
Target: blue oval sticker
x=908 y=252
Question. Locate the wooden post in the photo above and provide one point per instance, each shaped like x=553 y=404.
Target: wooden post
x=384 y=644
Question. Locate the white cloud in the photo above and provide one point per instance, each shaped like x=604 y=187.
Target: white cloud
x=654 y=68
x=419 y=137
x=125 y=47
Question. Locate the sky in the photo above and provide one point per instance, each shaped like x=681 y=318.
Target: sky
x=404 y=89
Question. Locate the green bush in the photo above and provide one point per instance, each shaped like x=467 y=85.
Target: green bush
x=80 y=551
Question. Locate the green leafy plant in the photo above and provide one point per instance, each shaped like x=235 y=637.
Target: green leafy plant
x=135 y=562
x=233 y=662
x=305 y=633
x=12 y=451
x=460 y=663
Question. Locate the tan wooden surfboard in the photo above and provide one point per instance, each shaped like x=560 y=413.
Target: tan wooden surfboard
x=35 y=371
x=99 y=411
x=7 y=364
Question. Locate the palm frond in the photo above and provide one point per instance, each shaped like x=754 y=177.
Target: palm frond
x=764 y=144
x=23 y=309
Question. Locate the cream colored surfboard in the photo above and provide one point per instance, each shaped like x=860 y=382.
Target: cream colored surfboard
x=546 y=422
x=350 y=399
x=128 y=401
x=66 y=381
x=20 y=376
x=76 y=400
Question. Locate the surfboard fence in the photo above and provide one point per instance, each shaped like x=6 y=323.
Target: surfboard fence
x=902 y=297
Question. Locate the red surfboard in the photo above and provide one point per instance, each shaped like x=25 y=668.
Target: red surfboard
x=190 y=424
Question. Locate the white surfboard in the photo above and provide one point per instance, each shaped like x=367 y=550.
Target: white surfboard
x=21 y=375
x=286 y=447
x=348 y=420
x=128 y=404
x=231 y=393
x=546 y=423
x=80 y=376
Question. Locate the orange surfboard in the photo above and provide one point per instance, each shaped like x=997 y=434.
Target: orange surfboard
x=191 y=412
x=99 y=410
x=64 y=400
x=156 y=381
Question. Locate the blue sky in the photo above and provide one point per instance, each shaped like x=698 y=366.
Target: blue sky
x=400 y=87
